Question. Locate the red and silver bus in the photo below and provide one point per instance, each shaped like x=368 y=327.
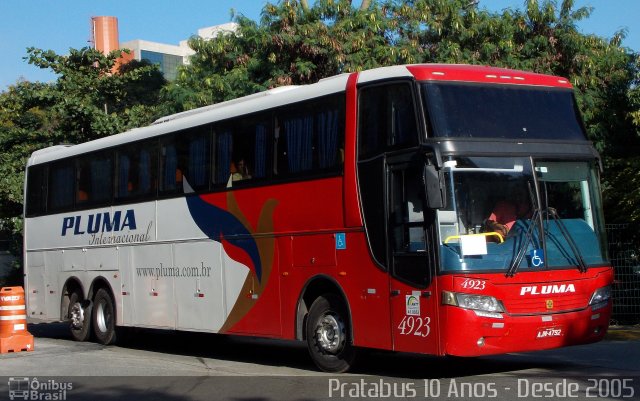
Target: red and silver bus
x=357 y=212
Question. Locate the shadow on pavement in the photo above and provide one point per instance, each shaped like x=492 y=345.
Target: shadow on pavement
x=293 y=354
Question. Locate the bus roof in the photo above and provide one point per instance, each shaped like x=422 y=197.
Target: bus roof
x=485 y=74
x=291 y=94
x=203 y=115
x=464 y=73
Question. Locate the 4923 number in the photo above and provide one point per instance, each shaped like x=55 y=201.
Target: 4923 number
x=415 y=325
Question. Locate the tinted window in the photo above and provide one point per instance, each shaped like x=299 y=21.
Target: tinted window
x=94 y=179
x=197 y=154
x=300 y=141
x=36 y=190
x=170 y=172
x=186 y=156
x=502 y=111
x=242 y=149
x=407 y=226
x=310 y=137
x=387 y=119
x=136 y=170
x=61 y=185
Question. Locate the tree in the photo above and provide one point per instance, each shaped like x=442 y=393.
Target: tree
x=293 y=44
x=622 y=184
x=363 y=6
x=90 y=99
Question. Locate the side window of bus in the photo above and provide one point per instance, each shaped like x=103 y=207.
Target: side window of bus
x=170 y=172
x=407 y=226
x=185 y=158
x=223 y=146
x=36 y=190
x=241 y=149
x=195 y=157
x=93 y=174
x=406 y=210
x=136 y=170
x=62 y=186
x=387 y=118
x=310 y=137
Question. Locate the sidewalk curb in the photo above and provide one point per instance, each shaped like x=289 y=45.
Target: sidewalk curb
x=623 y=333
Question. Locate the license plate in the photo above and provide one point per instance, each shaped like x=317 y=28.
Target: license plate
x=549 y=332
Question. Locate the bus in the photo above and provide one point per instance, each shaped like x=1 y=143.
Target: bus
x=357 y=212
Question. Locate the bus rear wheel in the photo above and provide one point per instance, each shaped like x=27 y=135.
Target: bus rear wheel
x=328 y=335
x=79 y=314
x=104 y=318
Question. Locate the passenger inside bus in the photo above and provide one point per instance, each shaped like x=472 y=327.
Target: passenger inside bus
x=239 y=171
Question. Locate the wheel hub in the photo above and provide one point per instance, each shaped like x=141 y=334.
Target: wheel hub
x=330 y=334
x=77 y=316
x=101 y=319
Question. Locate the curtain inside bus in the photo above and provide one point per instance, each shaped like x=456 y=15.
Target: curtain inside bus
x=327 y=138
x=198 y=161
x=299 y=134
x=223 y=156
x=260 y=168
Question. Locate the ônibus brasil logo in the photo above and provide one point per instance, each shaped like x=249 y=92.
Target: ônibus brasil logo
x=23 y=388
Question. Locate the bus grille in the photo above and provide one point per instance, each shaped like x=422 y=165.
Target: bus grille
x=542 y=304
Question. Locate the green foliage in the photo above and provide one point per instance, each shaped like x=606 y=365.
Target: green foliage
x=12 y=233
x=291 y=45
x=634 y=95
x=86 y=102
x=90 y=99
x=24 y=127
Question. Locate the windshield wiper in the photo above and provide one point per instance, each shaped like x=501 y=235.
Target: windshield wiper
x=582 y=266
x=535 y=219
x=522 y=248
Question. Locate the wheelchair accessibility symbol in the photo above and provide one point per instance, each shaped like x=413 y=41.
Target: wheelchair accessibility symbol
x=537 y=257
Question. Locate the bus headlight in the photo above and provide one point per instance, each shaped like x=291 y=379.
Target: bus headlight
x=482 y=305
x=600 y=298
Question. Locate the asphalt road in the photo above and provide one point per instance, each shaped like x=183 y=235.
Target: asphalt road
x=155 y=365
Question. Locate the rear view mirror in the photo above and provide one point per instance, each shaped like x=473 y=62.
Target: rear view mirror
x=433 y=187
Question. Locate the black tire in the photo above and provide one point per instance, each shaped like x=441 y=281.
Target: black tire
x=79 y=314
x=104 y=318
x=329 y=334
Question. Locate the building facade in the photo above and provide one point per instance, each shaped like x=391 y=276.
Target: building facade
x=168 y=57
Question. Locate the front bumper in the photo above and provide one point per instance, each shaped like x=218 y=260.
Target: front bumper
x=466 y=334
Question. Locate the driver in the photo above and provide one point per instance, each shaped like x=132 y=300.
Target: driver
x=507 y=211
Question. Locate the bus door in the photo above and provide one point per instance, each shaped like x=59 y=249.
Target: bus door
x=413 y=295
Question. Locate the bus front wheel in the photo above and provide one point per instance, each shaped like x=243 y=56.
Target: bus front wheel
x=328 y=334
x=104 y=318
x=79 y=314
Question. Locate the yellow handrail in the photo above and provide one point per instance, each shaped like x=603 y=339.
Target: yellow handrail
x=491 y=233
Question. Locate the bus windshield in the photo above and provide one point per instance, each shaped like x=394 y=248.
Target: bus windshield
x=497 y=208
x=466 y=110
